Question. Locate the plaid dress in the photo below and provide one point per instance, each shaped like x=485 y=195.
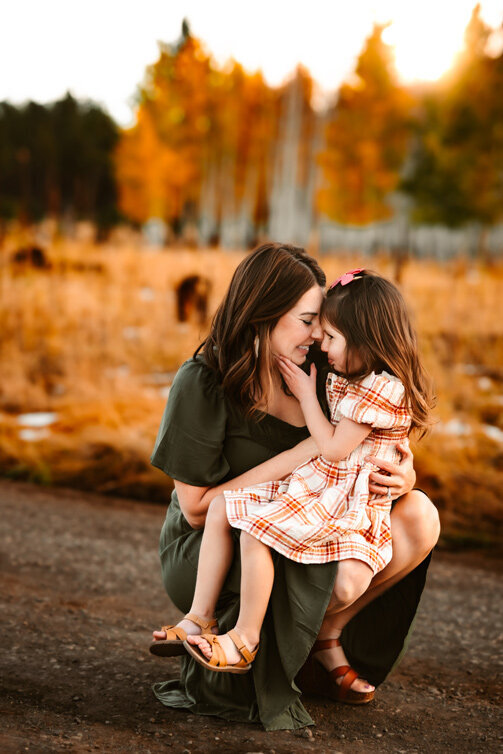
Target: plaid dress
x=323 y=511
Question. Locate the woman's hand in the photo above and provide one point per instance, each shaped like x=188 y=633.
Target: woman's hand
x=302 y=385
x=397 y=478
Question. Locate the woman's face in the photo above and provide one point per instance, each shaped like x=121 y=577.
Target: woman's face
x=335 y=346
x=298 y=328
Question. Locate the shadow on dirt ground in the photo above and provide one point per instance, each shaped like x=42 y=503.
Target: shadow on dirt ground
x=81 y=591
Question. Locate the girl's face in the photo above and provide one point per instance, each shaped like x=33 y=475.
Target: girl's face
x=335 y=346
x=298 y=328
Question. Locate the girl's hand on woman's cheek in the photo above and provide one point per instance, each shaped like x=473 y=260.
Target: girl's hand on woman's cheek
x=302 y=385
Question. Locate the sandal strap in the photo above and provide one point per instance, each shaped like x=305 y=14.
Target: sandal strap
x=218 y=658
x=176 y=632
x=347 y=673
x=347 y=680
x=204 y=625
x=340 y=670
x=241 y=646
x=321 y=644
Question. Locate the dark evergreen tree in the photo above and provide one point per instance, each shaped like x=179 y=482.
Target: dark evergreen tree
x=57 y=159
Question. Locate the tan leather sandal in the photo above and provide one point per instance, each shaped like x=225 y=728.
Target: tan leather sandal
x=314 y=679
x=218 y=661
x=172 y=645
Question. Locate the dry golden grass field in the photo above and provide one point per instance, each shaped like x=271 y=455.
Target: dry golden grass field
x=93 y=338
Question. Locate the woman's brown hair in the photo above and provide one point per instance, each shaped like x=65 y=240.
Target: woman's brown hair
x=265 y=285
x=373 y=317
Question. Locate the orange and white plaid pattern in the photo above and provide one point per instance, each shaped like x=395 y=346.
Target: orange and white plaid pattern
x=323 y=511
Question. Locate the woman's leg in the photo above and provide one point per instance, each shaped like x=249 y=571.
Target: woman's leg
x=352 y=580
x=414 y=529
x=215 y=558
x=257 y=577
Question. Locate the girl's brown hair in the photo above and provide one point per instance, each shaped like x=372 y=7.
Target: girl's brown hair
x=265 y=285
x=372 y=315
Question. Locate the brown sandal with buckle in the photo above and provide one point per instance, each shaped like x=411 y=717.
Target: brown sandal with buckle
x=218 y=661
x=313 y=678
x=172 y=645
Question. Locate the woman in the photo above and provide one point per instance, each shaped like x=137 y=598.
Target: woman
x=230 y=423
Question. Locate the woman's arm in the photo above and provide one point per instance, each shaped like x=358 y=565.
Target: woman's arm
x=335 y=443
x=194 y=501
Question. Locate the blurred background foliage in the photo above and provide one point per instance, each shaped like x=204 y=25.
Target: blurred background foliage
x=218 y=155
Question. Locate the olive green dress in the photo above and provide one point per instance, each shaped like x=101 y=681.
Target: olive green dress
x=203 y=440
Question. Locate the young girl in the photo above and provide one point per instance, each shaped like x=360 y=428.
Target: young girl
x=377 y=392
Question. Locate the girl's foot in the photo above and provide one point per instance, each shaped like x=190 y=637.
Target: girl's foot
x=168 y=641
x=231 y=652
x=186 y=625
x=334 y=657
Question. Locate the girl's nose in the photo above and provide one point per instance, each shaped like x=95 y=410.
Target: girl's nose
x=317 y=332
x=324 y=345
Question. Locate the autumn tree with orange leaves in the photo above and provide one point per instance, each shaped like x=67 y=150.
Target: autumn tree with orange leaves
x=159 y=159
x=367 y=135
x=202 y=140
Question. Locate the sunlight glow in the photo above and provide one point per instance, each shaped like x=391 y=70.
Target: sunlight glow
x=426 y=41
x=101 y=49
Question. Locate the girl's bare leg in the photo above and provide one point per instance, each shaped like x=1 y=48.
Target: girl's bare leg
x=257 y=576
x=215 y=558
x=256 y=587
x=415 y=529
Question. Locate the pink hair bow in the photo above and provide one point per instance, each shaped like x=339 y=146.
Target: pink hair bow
x=347 y=277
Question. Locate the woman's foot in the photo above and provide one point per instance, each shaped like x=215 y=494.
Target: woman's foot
x=229 y=647
x=334 y=657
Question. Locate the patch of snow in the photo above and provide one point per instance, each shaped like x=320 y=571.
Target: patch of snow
x=147 y=294
x=123 y=370
x=470 y=369
x=159 y=378
x=485 y=383
x=494 y=433
x=131 y=333
x=33 y=435
x=456 y=427
x=37 y=419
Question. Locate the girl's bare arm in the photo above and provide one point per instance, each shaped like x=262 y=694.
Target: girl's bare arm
x=397 y=478
x=335 y=443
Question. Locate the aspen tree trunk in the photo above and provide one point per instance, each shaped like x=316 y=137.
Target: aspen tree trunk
x=283 y=202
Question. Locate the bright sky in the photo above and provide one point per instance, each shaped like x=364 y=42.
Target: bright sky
x=99 y=49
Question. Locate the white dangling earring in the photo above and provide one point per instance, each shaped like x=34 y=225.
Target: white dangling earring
x=256 y=345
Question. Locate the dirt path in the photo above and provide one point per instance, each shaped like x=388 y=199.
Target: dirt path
x=81 y=591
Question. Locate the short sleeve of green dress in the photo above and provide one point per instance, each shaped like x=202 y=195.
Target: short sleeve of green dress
x=190 y=440
x=203 y=440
